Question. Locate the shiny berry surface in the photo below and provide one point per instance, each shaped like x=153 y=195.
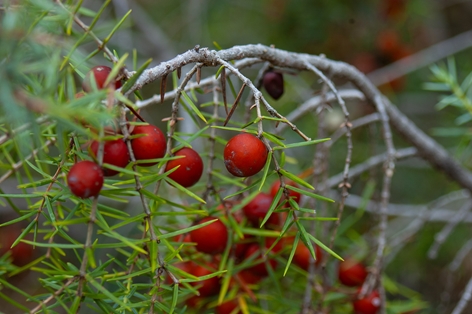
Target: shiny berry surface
x=190 y=167
x=85 y=179
x=210 y=239
x=351 y=273
x=114 y=153
x=100 y=73
x=244 y=155
x=257 y=208
x=273 y=83
x=370 y=304
x=150 y=146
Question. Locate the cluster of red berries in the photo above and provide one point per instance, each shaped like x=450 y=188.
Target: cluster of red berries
x=244 y=155
x=352 y=273
x=85 y=178
x=212 y=240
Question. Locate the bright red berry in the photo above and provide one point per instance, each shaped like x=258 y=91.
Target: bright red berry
x=273 y=83
x=245 y=155
x=292 y=194
x=85 y=179
x=257 y=208
x=190 y=167
x=259 y=268
x=114 y=153
x=100 y=73
x=208 y=287
x=370 y=304
x=351 y=273
x=302 y=256
x=151 y=146
x=212 y=238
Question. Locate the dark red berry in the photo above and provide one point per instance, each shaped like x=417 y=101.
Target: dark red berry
x=212 y=238
x=190 y=167
x=370 y=304
x=100 y=73
x=273 y=83
x=259 y=268
x=248 y=277
x=208 y=287
x=114 y=153
x=85 y=179
x=351 y=273
x=257 y=208
x=22 y=253
x=151 y=146
x=227 y=307
x=245 y=155
x=241 y=246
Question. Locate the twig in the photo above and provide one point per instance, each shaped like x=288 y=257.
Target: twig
x=440 y=237
x=99 y=42
x=20 y=163
x=429 y=149
x=465 y=298
x=316 y=101
x=52 y=296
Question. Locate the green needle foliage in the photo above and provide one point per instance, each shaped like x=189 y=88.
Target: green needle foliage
x=92 y=255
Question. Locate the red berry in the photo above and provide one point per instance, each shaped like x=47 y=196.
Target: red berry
x=212 y=238
x=208 y=287
x=259 y=268
x=370 y=304
x=22 y=253
x=245 y=155
x=190 y=170
x=185 y=266
x=292 y=194
x=302 y=256
x=151 y=146
x=277 y=248
x=248 y=277
x=242 y=245
x=85 y=179
x=195 y=302
x=227 y=307
x=351 y=273
x=100 y=73
x=257 y=208
x=114 y=153
x=273 y=83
